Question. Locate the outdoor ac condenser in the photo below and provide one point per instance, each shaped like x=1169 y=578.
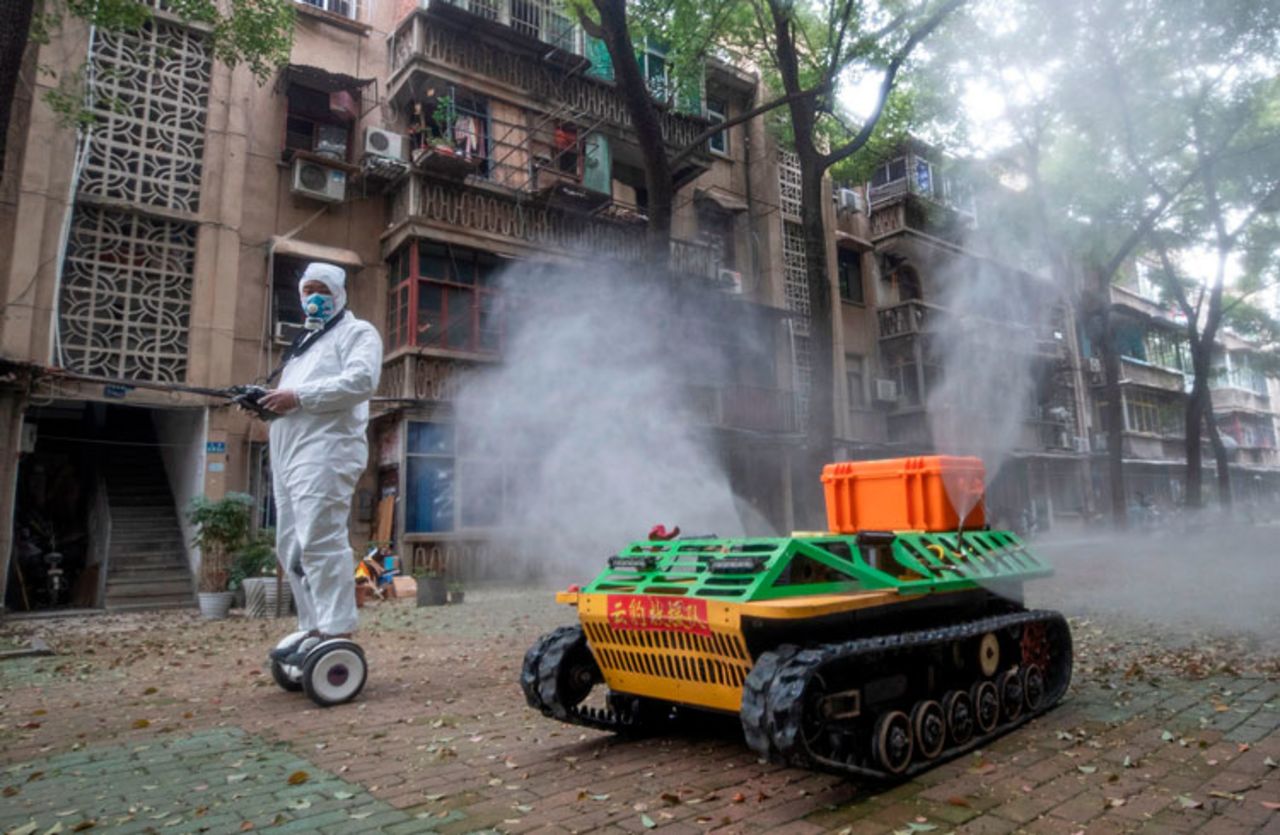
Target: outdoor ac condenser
x=318 y=181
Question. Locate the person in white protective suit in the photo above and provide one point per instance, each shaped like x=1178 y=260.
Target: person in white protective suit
x=318 y=451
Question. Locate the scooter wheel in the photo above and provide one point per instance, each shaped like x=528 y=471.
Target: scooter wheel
x=282 y=678
x=334 y=672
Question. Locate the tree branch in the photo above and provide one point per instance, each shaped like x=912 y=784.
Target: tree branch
x=701 y=138
x=886 y=84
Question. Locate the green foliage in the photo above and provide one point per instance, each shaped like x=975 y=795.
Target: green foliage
x=222 y=529
x=256 y=559
x=256 y=33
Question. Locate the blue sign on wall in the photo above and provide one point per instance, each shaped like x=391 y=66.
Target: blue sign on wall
x=215 y=448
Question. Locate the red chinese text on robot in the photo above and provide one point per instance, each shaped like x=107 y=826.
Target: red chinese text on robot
x=661 y=614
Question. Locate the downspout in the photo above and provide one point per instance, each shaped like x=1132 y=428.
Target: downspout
x=84 y=137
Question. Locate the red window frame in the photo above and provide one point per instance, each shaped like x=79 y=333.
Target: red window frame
x=405 y=328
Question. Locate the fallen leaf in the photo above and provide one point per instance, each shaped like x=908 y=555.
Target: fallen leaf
x=1087 y=769
x=360 y=815
x=1128 y=762
x=25 y=829
x=1226 y=795
x=1188 y=803
x=647 y=822
x=10 y=791
x=246 y=826
x=1167 y=736
x=1115 y=802
x=599 y=797
x=300 y=803
x=139 y=724
x=297 y=778
x=1270 y=763
x=83 y=825
x=669 y=797
x=1242 y=747
x=739 y=797
x=342 y=795
x=958 y=801
x=1270 y=804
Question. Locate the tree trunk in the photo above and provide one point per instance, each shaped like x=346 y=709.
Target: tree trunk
x=1114 y=409
x=648 y=126
x=1219 y=455
x=15 y=26
x=1197 y=407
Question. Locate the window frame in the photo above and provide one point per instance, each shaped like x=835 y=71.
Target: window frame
x=353 y=7
x=846 y=255
x=856 y=365
x=717 y=116
x=405 y=327
x=288 y=151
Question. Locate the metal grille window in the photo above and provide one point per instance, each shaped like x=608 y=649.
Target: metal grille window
x=457 y=479
x=795 y=272
x=151 y=94
x=789 y=182
x=126 y=295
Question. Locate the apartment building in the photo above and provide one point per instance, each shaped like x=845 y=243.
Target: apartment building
x=1155 y=379
x=423 y=146
x=908 y=244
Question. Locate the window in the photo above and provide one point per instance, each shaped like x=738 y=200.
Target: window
x=345 y=8
x=430 y=482
x=443 y=296
x=924 y=178
x=653 y=64
x=849 y=264
x=715 y=229
x=318 y=123
x=856 y=376
x=890 y=172
x=1145 y=413
x=717 y=112
x=456 y=479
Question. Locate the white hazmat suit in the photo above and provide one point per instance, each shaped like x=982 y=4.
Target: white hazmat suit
x=318 y=452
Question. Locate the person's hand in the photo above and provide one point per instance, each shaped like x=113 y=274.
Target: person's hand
x=280 y=401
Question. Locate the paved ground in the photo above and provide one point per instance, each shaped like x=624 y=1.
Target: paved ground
x=163 y=723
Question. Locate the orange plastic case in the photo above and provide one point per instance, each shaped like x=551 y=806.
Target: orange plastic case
x=903 y=494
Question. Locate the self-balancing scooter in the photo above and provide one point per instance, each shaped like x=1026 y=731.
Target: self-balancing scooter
x=330 y=673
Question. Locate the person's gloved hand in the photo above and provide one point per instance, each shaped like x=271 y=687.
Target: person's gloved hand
x=280 y=401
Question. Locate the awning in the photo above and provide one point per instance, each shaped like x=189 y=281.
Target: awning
x=322 y=80
x=720 y=198
x=845 y=237
x=316 y=252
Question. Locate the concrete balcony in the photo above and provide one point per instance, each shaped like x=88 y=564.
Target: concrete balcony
x=1233 y=399
x=1137 y=372
x=519 y=51
x=424 y=204
x=913 y=318
x=743 y=407
x=421 y=378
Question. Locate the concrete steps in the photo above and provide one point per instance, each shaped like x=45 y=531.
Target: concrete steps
x=148 y=558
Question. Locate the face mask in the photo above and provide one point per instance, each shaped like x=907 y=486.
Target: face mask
x=318 y=307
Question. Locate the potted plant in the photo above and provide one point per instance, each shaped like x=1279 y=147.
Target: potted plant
x=456 y=593
x=432 y=590
x=444 y=116
x=254 y=570
x=222 y=529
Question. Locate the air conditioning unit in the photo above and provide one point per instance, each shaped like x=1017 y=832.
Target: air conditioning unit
x=319 y=181
x=384 y=143
x=730 y=281
x=1095 y=365
x=886 y=390
x=1100 y=441
x=849 y=200
x=1080 y=443
x=286 y=332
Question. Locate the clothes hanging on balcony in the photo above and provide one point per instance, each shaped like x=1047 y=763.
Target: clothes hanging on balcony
x=466 y=136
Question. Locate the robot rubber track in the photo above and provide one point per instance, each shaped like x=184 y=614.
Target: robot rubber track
x=789 y=689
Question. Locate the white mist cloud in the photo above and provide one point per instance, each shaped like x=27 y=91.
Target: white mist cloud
x=590 y=410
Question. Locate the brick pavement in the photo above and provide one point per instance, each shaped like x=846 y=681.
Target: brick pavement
x=164 y=723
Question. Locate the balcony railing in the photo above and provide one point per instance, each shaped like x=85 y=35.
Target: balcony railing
x=494 y=212
x=914 y=317
x=436 y=37
x=1227 y=397
x=743 y=407
x=1153 y=376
